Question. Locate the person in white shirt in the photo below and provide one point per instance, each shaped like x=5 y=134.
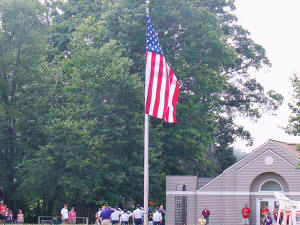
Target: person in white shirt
x=138 y=215
x=125 y=217
x=115 y=216
x=97 y=216
x=64 y=214
x=157 y=217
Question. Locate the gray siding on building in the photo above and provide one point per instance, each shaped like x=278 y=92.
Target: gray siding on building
x=189 y=181
x=191 y=209
x=246 y=175
x=170 y=208
x=211 y=202
x=216 y=185
x=252 y=206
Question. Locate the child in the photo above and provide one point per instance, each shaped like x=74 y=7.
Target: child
x=9 y=216
x=202 y=221
x=72 y=216
x=20 y=217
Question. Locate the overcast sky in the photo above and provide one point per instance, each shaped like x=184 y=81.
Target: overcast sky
x=275 y=25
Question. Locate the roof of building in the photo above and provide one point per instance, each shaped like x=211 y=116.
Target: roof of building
x=290 y=147
x=201 y=181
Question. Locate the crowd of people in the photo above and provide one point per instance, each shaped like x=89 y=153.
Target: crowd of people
x=6 y=215
x=266 y=217
x=107 y=216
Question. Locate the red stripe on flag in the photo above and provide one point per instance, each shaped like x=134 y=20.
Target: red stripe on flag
x=167 y=92
x=175 y=100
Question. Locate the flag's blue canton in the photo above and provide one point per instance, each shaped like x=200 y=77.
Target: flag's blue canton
x=152 y=42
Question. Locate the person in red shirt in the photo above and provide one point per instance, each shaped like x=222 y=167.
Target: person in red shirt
x=2 y=212
x=265 y=210
x=246 y=213
x=206 y=214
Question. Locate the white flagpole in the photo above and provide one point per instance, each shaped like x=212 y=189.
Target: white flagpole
x=146 y=169
x=146 y=154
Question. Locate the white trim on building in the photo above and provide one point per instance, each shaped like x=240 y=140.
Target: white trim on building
x=234 y=193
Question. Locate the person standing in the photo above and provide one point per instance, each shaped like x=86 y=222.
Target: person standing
x=150 y=216
x=8 y=215
x=206 y=214
x=115 y=216
x=163 y=214
x=245 y=214
x=157 y=217
x=72 y=216
x=105 y=215
x=276 y=214
x=97 y=216
x=2 y=212
x=138 y=215
x=264 y=211
x=124 y=219
x=20 y=217
x=64 y=214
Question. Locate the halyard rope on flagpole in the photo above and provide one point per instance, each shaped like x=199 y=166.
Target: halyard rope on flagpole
x=146 y=154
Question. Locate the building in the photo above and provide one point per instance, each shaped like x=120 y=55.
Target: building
x=253 y=179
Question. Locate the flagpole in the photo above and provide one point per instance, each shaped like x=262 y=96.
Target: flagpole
x=146 y=169
x=146 y=154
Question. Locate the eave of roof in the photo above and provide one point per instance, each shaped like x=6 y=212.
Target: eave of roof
x=290 y=147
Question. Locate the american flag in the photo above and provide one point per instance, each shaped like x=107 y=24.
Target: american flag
x=161 y=86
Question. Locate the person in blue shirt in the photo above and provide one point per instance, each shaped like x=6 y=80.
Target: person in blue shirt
x=267 y=219
x=105 y=215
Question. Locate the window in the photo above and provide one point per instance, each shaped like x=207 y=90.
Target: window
x=270 y=185
x=180 y=210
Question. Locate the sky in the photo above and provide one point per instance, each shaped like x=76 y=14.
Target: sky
x=275 y=25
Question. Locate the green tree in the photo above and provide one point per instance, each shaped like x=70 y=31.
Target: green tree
x=294 y=121
x=22 y=45
x=94 y=136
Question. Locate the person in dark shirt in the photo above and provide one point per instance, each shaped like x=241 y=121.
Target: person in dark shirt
x=150 y=216
x=105 y=215
x=163 y=214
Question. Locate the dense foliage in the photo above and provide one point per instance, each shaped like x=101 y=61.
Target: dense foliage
x=294 y=122
x=71 y=103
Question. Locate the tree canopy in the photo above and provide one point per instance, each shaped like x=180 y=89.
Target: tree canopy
x=294 y=122
x=72 y=93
